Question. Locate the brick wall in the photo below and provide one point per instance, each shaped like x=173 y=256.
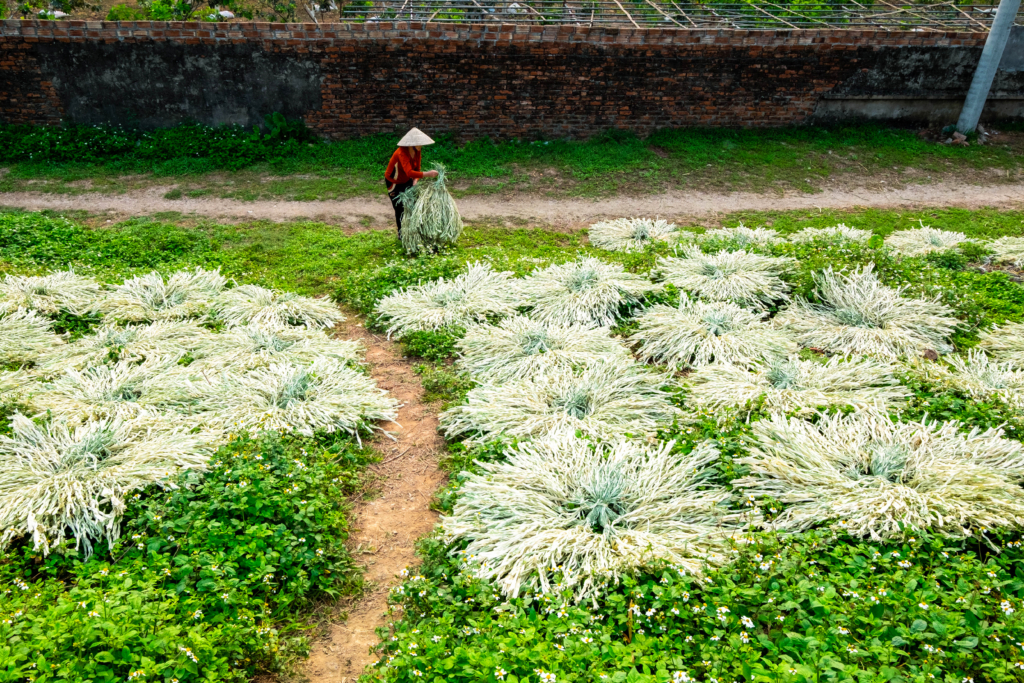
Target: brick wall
x=499 y=80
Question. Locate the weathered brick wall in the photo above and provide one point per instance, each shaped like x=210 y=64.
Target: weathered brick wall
x=499 y=80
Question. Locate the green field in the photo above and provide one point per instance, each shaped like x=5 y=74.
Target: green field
x=819 y=605
x=288 y=163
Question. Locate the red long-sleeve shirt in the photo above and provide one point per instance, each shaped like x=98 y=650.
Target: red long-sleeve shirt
x=404 y=166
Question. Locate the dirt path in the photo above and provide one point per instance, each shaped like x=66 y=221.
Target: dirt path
x=385 y=529
x=534 y=209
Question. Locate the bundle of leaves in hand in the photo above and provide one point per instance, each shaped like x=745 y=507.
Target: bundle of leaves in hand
x=564 y=509
x=923 y=240
x=255 y=305
x=185 y=294
x=792 y=385
x=699 y=332
x=630 y=234
x=58 y=292
x=472 y=297
x=58 y=480
x=431 y=219
x=746 y=278
x=521 y=348
x=25 y=337
x=605 y=400
x=584 y=292
x=858 y=314
x=884 y=480
x=327 y=395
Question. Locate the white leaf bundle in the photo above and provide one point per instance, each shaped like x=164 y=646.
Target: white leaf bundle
x=606 y=400
x=562 y=506
x=699 y=332
x=583 y=292
x=472 y=297
x=1008 y=250
x=835 y=233
x=252 y=346
x=12 y=382
x=796 y=386
x=185 y=294
x=630 y=234
x=431 y=219
x=1005 y=343
x=884 y=480
x=746 y=278
x=60 y=480
x=118 y=390
x=743 y=237
x=49 y=294
x=980 y=377
x=254 y=305
x=923 y=240
x=25 y=337
x=167 y=339
x=521 y=348
x=327 y=395
x=859 y=314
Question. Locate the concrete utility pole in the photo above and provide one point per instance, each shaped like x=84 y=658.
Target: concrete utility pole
x=987 y=65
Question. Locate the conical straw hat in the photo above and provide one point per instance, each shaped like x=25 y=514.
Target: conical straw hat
x=415 y=138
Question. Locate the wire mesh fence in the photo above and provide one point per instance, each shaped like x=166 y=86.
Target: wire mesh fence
x=946 y=16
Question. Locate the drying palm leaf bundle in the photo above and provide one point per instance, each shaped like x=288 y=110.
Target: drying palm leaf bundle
x=748 y=279
x=122 y=390
x=521 y=348
x=185 y=294
x=886 y=480
x=60 y=480
x=327 y=395
x=831 y=234
x=583 y=292
x=255 y=305
x=1008 y=250
x=253 y=346
x=699 y=332
x=25 y=337
x=923 y=240
x=630 y=234
x=565 y=510
x=431 y=219
x=12 y=382
x=49 y=294
x=978 y=376
x=858 y=314
x=1005 y=343
x=605 y=400
x=791 y=385
x=472 y=297
x=742 y=237
x=169 y=339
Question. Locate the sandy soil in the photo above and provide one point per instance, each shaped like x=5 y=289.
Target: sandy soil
x=386 y=527
x=530 y=209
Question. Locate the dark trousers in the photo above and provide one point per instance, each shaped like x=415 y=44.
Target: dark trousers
x=399 y=206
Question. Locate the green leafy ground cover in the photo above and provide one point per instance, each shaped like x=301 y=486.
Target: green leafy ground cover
x=285 y=161
x=820 y=606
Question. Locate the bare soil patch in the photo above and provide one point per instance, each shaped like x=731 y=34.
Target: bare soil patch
x=386 y=527
x=518 y=210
